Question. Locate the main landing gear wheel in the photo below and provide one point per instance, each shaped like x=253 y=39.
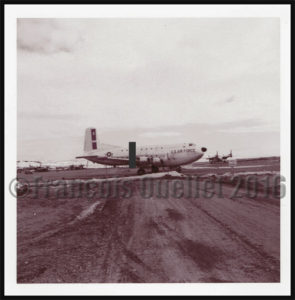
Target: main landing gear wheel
x=178 y=169
x=155 y=169
x=140 y=171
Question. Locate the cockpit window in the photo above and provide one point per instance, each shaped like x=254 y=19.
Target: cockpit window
x=190 y=144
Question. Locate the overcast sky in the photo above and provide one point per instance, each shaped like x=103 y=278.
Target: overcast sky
x=210 y=81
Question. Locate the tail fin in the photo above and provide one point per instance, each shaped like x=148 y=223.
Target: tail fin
x=90 y=140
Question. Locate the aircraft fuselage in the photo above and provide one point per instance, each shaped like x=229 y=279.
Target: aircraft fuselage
x=162 y=155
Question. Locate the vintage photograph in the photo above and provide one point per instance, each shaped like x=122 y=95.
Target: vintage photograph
x=148 y=150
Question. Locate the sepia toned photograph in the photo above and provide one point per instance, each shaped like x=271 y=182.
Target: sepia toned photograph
x=148 y=150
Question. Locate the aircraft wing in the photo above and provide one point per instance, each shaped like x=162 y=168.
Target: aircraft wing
x=106 y=160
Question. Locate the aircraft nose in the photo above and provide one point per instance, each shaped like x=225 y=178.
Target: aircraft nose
x=204 y=149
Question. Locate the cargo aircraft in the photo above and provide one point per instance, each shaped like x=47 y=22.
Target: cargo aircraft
x=219 y=159
x=154 y=156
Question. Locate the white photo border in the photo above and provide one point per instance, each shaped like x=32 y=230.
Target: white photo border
x=12 y=12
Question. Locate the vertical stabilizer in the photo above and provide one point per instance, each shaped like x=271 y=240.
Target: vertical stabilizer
x=90 y=141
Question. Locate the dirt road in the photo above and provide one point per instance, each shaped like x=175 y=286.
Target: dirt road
x=149 y=239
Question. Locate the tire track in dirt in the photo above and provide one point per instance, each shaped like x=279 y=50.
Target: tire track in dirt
x=146 y=240
x=268 y=263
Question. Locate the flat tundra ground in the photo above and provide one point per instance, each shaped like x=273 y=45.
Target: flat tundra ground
x=174 y=230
